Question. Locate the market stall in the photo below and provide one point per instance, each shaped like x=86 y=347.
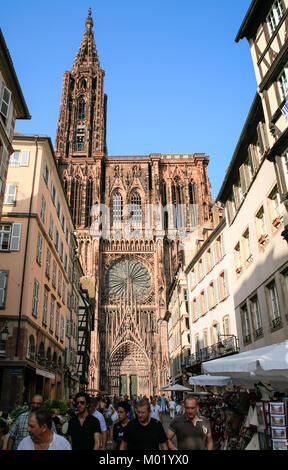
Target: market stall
x=263 y=420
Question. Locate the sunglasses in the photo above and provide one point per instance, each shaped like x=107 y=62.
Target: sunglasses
x=80 y=402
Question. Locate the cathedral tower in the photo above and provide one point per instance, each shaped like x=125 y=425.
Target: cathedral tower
x=132 y=271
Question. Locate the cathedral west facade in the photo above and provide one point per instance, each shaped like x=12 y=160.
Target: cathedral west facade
x=129 y=247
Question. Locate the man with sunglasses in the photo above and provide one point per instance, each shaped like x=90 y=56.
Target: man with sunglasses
x=84 y=429
x=19 y=428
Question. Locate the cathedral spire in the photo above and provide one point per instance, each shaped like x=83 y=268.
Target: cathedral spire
x=87 y=53
x=89 y=22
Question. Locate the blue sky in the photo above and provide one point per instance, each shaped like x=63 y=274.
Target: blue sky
x=175 y=78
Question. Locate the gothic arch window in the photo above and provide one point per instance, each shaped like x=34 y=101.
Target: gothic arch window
x=192 y=197
x=81 y=109
x=48 y=358
x=136 y=210
x=31 y=348
x=164 y=202
x=82 y=83
x=54 y=360
x=65 y=184
x=117 y=210
x=89 y=202
x=75 y=201
x=177 y=200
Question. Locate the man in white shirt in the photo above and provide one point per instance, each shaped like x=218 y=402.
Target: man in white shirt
x=40 y=435
x=94 y=410
x=172 y=407
x=156 y=412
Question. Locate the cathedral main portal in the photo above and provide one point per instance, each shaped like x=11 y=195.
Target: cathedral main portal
x=129 y=325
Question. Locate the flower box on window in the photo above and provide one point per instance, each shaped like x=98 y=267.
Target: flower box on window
x=276 y=222
x=262 y=240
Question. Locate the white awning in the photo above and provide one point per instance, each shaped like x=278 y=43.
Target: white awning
x=269 y=364
x=44 y=373
x=203 y=380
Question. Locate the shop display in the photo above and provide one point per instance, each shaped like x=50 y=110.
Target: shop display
x=279 y=444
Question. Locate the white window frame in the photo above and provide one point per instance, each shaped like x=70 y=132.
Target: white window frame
x=10 y=194
x=43 y=209
x=39 y=248
x=45 y=307
x=57 y=321
x=48 y=263
x=21 y=160
x=14 y=237
x=5 y=102
x=62 y=333
x=275 y=309
x=282 y=81
x=35 y=298
x=256 y=312
x=274 y=16
x=52 y=307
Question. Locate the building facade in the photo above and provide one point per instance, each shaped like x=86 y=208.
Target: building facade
x=12 y=107
x=265 y=26
x=39 y=278
x=131 y=252
x=254 y=215
x=177 y=317
x=210 y=300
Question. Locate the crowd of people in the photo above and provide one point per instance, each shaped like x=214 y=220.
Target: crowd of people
x=106 y=423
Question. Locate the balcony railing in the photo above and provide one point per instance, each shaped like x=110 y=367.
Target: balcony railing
x=276 y=322
x=220 y=349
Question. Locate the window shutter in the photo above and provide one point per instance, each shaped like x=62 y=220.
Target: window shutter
x=262 y=137
x=3 y=281
x=222 y=242
x=62 y=328
x=5 y=102
x=204 y=264
x=24 y=158
x=196 y=274
x=213 y=255
x=243 y=181
x=10 y=194
x=9 y=119
x=206 y=297
x=217 y=291
x=15 y=237
x=252 y=155
x=226 y=286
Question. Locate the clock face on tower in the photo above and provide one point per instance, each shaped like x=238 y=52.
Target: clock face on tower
x=128 y=277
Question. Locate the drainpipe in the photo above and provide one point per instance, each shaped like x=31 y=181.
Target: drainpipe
x=26 y=249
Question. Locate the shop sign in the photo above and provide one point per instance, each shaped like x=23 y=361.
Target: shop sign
x=15 y=372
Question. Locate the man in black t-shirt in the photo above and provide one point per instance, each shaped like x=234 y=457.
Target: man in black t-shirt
x=84 y=429
x=119 y=427
x=144 y=432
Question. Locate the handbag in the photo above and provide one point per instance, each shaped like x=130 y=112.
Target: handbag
x=114 y=416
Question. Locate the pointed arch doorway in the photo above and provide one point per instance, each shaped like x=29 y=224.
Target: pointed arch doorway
x=130 y=371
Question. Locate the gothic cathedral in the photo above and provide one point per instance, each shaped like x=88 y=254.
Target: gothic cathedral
x=133 y=271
